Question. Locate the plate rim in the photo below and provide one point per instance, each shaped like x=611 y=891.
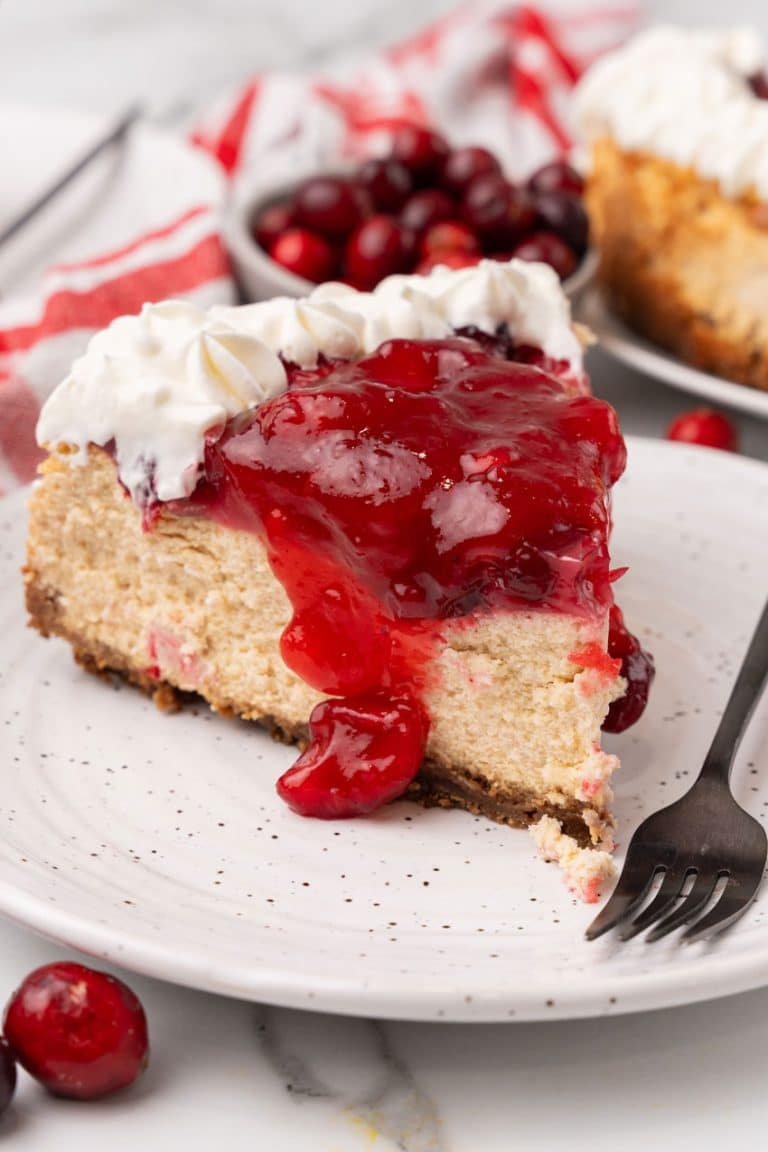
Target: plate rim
x=616 y=338
x=687 y=983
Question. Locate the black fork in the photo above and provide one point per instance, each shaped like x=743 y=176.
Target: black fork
x=705 y=844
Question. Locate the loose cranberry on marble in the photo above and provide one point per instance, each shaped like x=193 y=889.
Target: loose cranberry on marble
x=424 y=209
x=379 y=247
x=706 y=427
x=556 y=177
x=81 y=1033
x=387 y=182
x=497 y=211
x=452 y=236
x=305 y=254
x=7 y=1075
x=447 y=258
x=421 y=150
x=564 y=213
x=463 y=165
x=272 y=223
x=329 y=205
x=549 y=249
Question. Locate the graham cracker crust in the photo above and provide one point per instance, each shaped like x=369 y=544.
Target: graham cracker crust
x=437 y=784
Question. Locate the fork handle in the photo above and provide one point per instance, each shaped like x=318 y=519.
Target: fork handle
x=741 y=704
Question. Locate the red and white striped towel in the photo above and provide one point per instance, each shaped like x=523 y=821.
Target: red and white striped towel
x=493 y=74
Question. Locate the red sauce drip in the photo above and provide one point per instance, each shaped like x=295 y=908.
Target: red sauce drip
x=428 y=481
x=637 y=668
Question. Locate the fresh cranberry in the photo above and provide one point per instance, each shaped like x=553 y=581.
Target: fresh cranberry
x=7 y=1075
x=363 y=752
x=549 y=249
x=564 y=213
x=421 y=150
x=81 y=1033
x=387 y=182
x=447 y=258
x=497 y=211
x=556 y=177
x=706 y=427
x=464 y=165
x=425 y=209
x=638 y=670
x=451 y=236
x=329 y=205
x=378 y=248
x=304 y=254
x=759 y=85
x=272 y=223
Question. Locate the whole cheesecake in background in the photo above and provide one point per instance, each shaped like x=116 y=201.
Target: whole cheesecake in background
x=377 y=519
x=677 y=124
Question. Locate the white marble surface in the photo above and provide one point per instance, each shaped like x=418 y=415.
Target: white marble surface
x=243 y=1077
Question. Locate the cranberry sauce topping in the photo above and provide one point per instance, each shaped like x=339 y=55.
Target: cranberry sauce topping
x=638 y=670
x=427 y=481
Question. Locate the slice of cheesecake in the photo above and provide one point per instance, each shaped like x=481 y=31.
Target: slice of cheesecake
x=677 y=124
x=376 y=522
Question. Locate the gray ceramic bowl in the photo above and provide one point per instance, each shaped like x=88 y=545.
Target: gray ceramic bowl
x=261 y=278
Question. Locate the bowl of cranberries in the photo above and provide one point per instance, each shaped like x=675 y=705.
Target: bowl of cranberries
x=421 y=205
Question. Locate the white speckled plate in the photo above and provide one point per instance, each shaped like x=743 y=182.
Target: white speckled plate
x=615 y=337
x=158 y=841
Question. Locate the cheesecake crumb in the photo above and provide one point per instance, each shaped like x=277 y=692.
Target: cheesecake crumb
x=587 y=871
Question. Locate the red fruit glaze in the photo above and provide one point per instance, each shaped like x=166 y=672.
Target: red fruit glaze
x=363 y=753
x=421 y=150
x=81 y=1033
x=387 y=182
x=378 y=248
x=425 y=209
x=304 y=254
x=329 y=205
x=452 y=236
x=556 y=177
x=448 y=258
x=637 y=668
x=7 y=1075
x=272 y=223
x=464 y=165
x=706 y=427
x=549 y=248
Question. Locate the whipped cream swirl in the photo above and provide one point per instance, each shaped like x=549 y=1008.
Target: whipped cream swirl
x=159 y=384
x=685 y=95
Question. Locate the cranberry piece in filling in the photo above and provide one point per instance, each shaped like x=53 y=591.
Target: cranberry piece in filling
x=420 y=150
x=363 y=752
x=464 y=165
x=329 y=205
x=556 y=177
x=378 y=248
x=81 y=1033
x=304 y=254
x=637 y=668
x=387 y=182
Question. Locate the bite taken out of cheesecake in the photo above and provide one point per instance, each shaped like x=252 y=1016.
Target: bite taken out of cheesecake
x=677 y=126
x=375 y=523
